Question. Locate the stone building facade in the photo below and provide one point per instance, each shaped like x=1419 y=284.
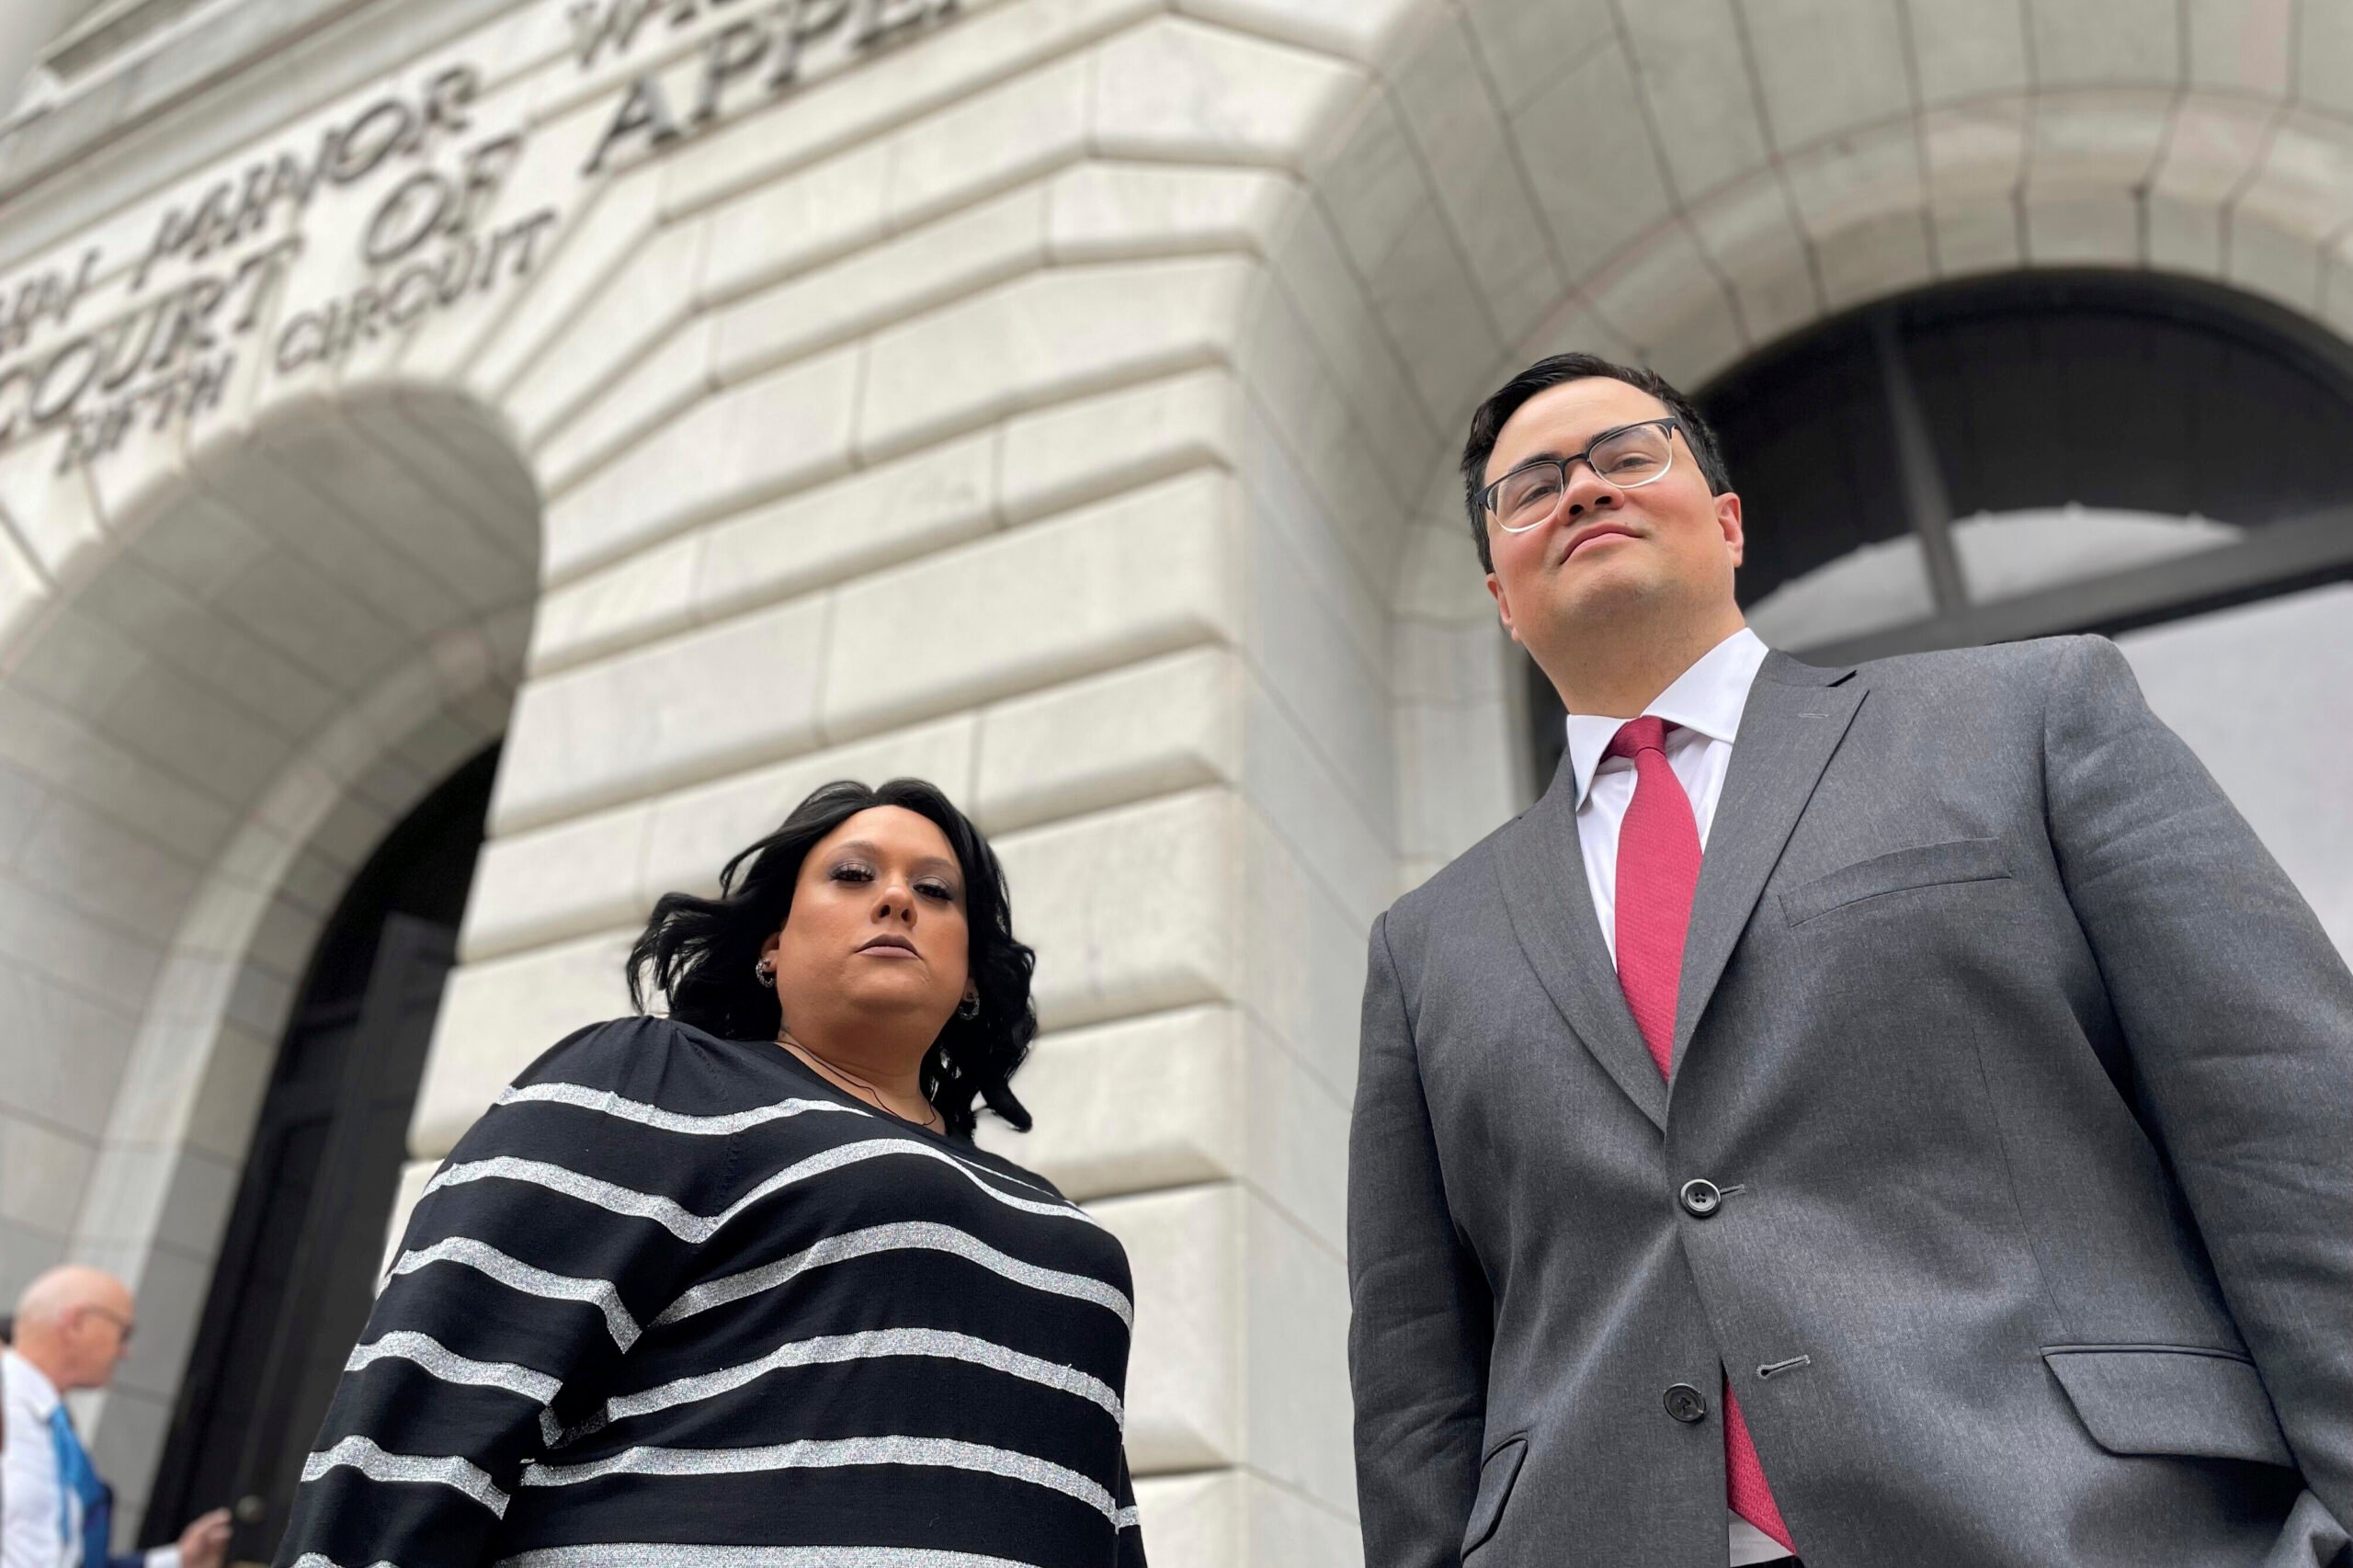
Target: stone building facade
x=703 y=399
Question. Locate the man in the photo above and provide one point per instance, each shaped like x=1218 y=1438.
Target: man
x=1880 y=1114
x=72 y=1328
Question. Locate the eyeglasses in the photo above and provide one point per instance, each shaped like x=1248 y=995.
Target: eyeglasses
x=1627 y=456
x=124 y=1327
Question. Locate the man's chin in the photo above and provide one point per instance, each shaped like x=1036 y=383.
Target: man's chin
x=1602 y=589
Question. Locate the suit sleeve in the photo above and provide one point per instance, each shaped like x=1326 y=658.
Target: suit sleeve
x=518 y=1283
x=2237 y=1013
x=1422 y=1319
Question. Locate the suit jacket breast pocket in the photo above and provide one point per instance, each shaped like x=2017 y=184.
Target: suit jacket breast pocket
x=1924 y=866
x=1496 y=1473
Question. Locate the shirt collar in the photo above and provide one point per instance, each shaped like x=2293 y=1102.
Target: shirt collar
x=1708 y=697
x=32 y=1384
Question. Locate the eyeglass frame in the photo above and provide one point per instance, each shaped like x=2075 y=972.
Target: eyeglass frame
x=1670 y=425
x=123 y=1327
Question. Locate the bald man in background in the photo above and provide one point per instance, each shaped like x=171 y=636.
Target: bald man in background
x=72 y=1328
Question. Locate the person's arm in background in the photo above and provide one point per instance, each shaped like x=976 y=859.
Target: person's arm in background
x=1422 y=1321
x=203 y=1544
x=2238 y=1014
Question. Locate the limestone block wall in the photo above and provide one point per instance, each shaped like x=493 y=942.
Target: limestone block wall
x=934 y=466
x=1055 y=398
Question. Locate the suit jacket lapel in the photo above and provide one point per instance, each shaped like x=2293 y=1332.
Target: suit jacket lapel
x=1795 y=716
x=1542 y=866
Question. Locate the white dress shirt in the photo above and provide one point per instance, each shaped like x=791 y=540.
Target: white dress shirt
x=1705 y=704
x=32 y=1519
x=28 y=1501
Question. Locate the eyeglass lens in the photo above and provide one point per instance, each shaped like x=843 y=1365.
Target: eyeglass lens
x=1527 y=496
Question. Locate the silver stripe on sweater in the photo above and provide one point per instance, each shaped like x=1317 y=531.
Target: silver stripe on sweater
x=452 y=1367
x=831 y=1349
x=613 y=1105
x=688 y=1226
x=376 y=1464
x=1128 y=1519
x=314 y=1560
x=516 y=1275
x=639 y=1111
x=923 y=1234
x=814 y=1453
x=632 y=1554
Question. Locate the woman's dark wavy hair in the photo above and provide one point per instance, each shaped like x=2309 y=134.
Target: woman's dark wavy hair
x=699 y=952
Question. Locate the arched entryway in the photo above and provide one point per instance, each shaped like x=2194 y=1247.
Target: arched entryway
x=1668 y=187
x=1178 y=388
x=249 y=672
x=298 y=1264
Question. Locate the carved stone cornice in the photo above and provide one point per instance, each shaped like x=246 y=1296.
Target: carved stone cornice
x=162 y=104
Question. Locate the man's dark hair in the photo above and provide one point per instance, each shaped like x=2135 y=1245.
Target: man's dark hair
x=1487 y=422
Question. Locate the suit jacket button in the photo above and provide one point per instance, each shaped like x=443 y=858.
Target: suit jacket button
x=1701 y=1199
x=1686 y=1404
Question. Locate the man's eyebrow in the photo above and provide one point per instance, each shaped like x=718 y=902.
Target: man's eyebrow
x=1562 y=454
x=1555 y=454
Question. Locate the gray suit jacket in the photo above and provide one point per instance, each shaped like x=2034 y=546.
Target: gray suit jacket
x=2027 y=1080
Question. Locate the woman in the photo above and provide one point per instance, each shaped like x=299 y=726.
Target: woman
x=734 y=1287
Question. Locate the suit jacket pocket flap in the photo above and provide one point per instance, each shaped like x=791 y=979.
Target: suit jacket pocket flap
x=2155 y=1400
x=1496 y=1473
x=1923 y=866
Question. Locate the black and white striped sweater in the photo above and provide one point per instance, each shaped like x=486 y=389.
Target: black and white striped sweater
x=675 y=1301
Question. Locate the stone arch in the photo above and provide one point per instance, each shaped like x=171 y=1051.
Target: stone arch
x=1680 y=188
x=239 y=678
x=1148 y=324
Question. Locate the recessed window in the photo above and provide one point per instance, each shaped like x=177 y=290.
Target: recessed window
x=2026 y=455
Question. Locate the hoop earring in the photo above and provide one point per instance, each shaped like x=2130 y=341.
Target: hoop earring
x=765 y=970
x=969 y=1007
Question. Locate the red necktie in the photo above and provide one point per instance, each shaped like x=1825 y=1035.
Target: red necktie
x=1658 y=870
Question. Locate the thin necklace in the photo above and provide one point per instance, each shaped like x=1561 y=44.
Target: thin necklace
x=859 y=1085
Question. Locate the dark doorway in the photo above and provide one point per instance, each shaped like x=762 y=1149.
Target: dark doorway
x=297 y=1270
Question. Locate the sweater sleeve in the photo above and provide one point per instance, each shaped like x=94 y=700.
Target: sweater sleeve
x=526 y=1270
x=1130 y=1552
